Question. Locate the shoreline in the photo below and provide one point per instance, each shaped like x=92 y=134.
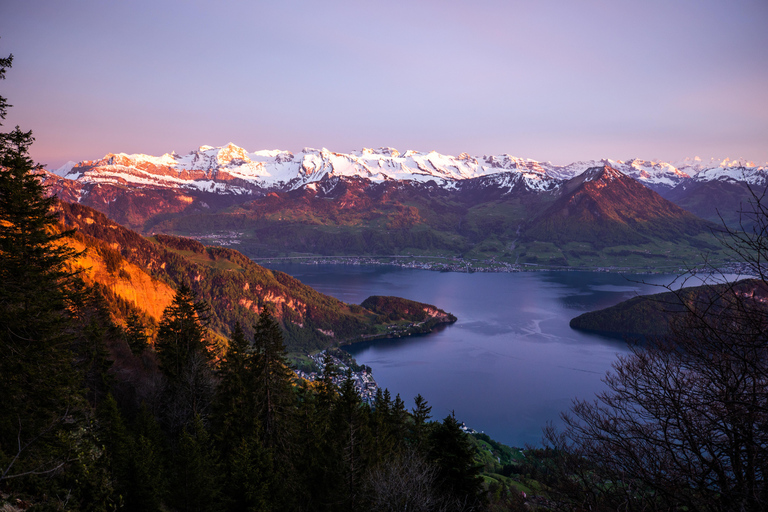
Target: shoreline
x=461 y=265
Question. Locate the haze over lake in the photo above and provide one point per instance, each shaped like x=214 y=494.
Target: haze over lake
x=511 y=363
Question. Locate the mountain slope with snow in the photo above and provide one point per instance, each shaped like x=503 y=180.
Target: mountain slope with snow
x=233 y=170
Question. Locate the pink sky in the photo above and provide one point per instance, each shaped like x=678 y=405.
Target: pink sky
x=549 y=80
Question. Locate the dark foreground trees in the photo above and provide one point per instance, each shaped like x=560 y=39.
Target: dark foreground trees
x=684 y=422
x=38 y=384
x=94 y=417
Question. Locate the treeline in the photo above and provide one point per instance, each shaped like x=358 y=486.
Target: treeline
x=108 y=422
x=243 y=435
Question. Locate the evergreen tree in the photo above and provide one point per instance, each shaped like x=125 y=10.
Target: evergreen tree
x=421 y=413
x=398 y=418
x=352 y=436
x=275 y=401
x=185 y=359
x=250 y=480
x=458 y=475
x=327 y=391
x=117 y=443
x=182 y=333
x=42 y=404
x=383 y=442
x=147 y=483
x=136 y=334
x=313 y=453
x=93 y=331
x=197 y=479
x=273 y=379
x=234 y=408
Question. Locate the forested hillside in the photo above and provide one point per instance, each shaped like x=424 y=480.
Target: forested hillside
x=237 y=289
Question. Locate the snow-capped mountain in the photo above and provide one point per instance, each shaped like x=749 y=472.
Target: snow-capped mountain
x=233 y=170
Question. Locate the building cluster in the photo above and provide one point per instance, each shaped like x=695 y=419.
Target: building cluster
x=418 y=262
x=222 y=238
x=364 y=382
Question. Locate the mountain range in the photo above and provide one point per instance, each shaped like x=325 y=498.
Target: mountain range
x=382 y=202
x=233 y=170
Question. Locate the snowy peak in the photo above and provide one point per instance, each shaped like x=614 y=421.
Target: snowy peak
x=231 y=153
x=749 y=175
x=658 y=173
x=65 y=169
x=604 y=174
x=696 y=164
x=231 y=169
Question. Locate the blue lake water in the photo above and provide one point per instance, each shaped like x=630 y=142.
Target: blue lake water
x=511 y=363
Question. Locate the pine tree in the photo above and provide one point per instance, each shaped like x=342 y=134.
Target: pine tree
x=234 y=408
x=352 y=435
x=250 y=479
x=117 y=443
x=421 y=413
x=327 y=391
x=147 y=483
x=398 y=419
x=38 y=383
x=197 y=479
x=458 y=475
x=182 y=333
x=136 y=334
x=273 y=379
x=275 y=401
x=185 y=359
x=94 y=330
x=383 y=442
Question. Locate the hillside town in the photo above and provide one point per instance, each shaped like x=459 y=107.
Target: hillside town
x=365 y=384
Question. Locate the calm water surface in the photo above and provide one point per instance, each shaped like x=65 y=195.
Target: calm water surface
x=511 y=363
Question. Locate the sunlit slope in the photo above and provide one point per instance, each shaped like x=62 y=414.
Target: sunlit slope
x=236 y=288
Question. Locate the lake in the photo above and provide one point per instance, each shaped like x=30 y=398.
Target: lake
x=511 y=363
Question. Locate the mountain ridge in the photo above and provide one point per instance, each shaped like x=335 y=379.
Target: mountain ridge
x=381 y=202
x=232 y=169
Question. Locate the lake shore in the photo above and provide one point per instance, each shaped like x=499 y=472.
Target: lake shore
x=455 y=264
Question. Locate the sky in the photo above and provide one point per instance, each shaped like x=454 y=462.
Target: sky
x=551 y=80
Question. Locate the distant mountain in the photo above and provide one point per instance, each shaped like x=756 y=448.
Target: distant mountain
x=381 y=202
x=720 y=193
x=605 y=207
x=233 y=170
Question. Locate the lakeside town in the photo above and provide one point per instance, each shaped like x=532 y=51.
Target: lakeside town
x=362 y=376
x=365 y=385
x=455 y=263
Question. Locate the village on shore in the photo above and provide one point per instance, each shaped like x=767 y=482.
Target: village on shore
x=365 y=384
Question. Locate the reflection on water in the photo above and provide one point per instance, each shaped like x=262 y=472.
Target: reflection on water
x=511 y=363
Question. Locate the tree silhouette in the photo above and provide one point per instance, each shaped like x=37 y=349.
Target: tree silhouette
x=185 y=357
x=682 y=424
x=38 y=383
